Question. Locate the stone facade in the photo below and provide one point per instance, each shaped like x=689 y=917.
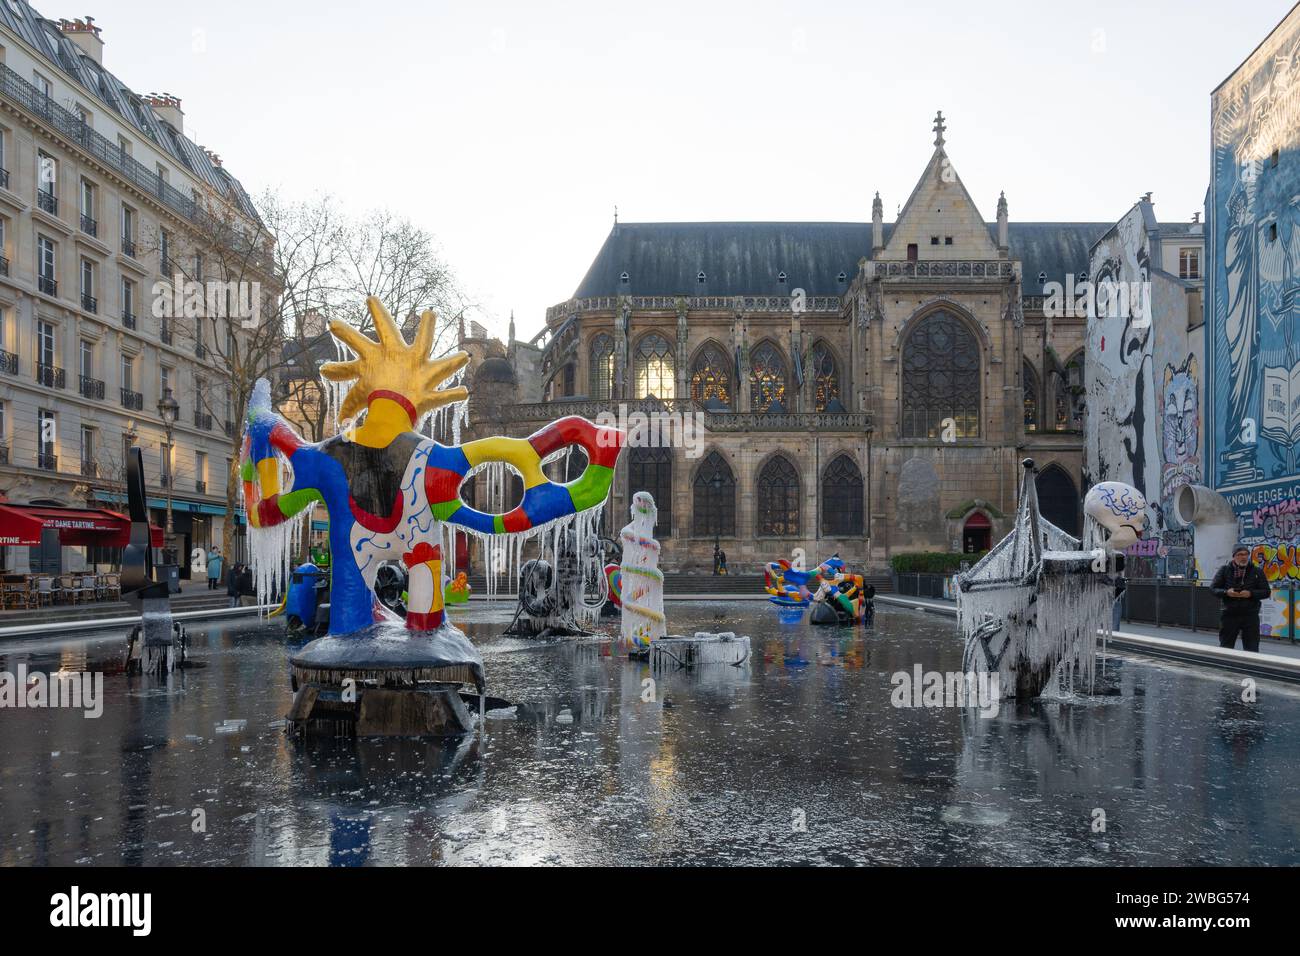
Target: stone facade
x=846 y=306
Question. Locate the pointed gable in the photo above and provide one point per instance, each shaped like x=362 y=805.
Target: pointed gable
x=940 y=207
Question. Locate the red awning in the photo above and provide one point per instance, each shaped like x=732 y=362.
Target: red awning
x=22 y=525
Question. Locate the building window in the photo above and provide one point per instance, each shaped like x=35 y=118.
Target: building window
x=826 y=379
x=778 y=499
x=947 y=240
x=1029 y=387
x=164 y=381
x=46 y=344
x=700 y=277
x=842 y=498
x=88 y=300
x=913 y=253
x=624 y=278
x=87 y=359
x=654 y=368
x=781 y=278
x=601 y=372
x=128 y=303
x=651 y=469
x=1189 y=263
x=941 y=369
x=46 y=256
x=767 y=379
x=128 y=231
x=87 y=450
x=47 y=440
x=47 y=182
x=128 y=373
x=714 y=498
x=934 y=240
x=711 y=378
x=1068 y=399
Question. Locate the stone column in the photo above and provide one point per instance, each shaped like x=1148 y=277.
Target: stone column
x=683 y=355
x=622 y=325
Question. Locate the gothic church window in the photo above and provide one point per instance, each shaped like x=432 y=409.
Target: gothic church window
x=826 y=379
x=601 y=385
x=767 y=379
x=778 y=499
x=651 y=469
x=654 y=368
x=842 y=498
x=941 y=379
x=714 y=494
x=711 y=378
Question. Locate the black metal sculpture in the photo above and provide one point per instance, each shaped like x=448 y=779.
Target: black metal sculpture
x=157 y=645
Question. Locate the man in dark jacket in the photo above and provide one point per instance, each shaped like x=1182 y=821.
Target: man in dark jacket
x=1241 y=585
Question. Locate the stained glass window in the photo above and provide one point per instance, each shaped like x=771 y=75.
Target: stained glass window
x=714 y=493
x=654 y=369
x=601 y=386
x=651 y=469
x=711 y=377
x=842 y=498
x=826 y=379
x=778 y=498
x=941 y=379
x=1068 y=401
x=1030 y=388
x=767 y=379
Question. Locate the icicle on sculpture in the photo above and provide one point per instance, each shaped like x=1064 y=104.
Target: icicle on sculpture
x=1030 y=609
x=389 y=492
x=640 y=582
x=156 y=645
x=551 y=594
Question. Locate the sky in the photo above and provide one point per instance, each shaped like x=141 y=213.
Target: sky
x=511 y=131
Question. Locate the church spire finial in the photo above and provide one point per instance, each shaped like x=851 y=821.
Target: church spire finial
x=939 y=127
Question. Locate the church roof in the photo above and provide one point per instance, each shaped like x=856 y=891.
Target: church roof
x=746 y=258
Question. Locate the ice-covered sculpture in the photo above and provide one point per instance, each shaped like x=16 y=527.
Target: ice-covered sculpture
x=641 y=583
x=1031 y=609
x=394 y=494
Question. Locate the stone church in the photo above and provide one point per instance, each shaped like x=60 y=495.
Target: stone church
x=861 y=388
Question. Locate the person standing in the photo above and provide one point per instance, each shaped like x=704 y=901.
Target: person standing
x=1241 y=585
x=232 y=583
x=214 y=568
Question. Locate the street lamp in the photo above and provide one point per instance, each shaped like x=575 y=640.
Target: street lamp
x=168 y=410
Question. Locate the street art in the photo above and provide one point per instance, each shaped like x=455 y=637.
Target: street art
x=1121 y=441
x=1180 y=426
x=1253 y=344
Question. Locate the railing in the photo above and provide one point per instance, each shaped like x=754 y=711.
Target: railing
x=941 y=269
x=132 y=400
x=1182 y=603
x=89 y=226
x=4 y=178
x=91 y=387
x=8 y=362
x=128 y=246
x=713 y=421
x=50 y=376
x=669 y=303
x=4 y=265
x=89 y=469
x=48 y=202
x=47 y=461
x=89 y=302
x=203 y=421
x=47 y=284
x=128 y=320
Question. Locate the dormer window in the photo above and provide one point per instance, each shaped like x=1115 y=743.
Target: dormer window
x=1042 y=278
x=842 y=277
x=934 y=240
x=1083 y=277
x=781 y=278
x=624 y=278
x=947 y=240
x=700 y=277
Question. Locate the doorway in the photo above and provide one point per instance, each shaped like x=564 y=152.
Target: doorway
x=977 y=533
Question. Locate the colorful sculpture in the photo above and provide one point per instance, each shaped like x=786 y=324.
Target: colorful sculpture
x=389 y=491
x=841 y=598
x=640 y=582
x=788 y=586
x=1031 y=609
x=458 y=591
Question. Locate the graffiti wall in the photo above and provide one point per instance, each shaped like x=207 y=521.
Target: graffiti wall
x=1143 y=378
x=1253 y=296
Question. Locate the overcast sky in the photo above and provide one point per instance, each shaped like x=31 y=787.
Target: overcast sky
x=511 y=130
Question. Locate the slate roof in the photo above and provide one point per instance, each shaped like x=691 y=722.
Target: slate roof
x=746 y=258
x=62 y=54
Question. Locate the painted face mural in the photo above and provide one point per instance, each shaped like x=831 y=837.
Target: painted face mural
x=1180 y=428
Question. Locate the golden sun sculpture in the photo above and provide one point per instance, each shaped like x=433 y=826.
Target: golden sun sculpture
x=391 y=365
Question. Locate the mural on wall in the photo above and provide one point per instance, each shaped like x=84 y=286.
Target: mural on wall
x=1180 y=421
x=1253 y=337
x=1121 y=443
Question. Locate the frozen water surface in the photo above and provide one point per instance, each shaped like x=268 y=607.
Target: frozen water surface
x=798 y=759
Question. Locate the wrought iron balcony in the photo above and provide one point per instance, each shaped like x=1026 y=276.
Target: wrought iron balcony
x=128 y=320
x=48 y=202
x=51 y=376
x=89 y=469
x=47 y=461
x=128 y=246
x=88 y=225
x=941 y=269
x=89 y=302
x=4 y=178
x=132 y=400
x=90 y=387
x=47 y=284
x=8 y=362
x=203 y=421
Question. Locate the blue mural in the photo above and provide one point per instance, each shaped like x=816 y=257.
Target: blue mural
x=1253 y=294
